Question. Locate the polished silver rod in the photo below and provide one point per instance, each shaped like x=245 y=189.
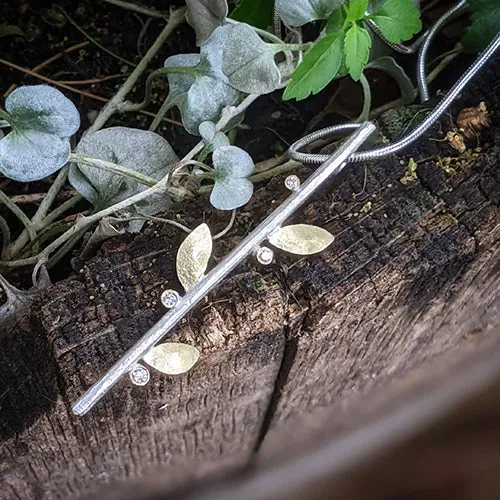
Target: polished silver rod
x=332 y=166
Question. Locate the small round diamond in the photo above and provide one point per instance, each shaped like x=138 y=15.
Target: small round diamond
x=139 y=375
x=292 y=182
x=170 y=298
x=265 y=255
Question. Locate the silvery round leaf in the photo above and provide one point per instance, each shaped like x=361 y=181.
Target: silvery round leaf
x=43 y=108
x=205 y=101
x=299 y=12
x=139 y=150
x=232 y=189
x=29 y=155
x=231 y=193
x=204 y=16
x=247 y=61
x=212 y=137
x=180 y=83
x=231 y=161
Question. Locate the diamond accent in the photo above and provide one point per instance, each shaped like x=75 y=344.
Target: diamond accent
x=265 y=256
x=170 y=298
x=139 y=375
x=292 y=182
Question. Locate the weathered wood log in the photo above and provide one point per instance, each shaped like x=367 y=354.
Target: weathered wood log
x=408 y=290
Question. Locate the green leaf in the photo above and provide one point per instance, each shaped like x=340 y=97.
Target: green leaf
x=357 y=45
x=484 y=25
x=232 y=188
x=258 y=13
x=356 y=9
x=335 y=22
x=398 y=20
x=319 y=66
x=388 y=65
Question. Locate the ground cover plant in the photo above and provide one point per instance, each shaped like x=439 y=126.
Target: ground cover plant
x=124 y=176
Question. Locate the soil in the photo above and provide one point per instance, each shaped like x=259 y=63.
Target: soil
x=271 y=125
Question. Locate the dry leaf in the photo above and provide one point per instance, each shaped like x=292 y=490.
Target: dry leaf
x=301 y=239
x=172 y=358
x=193 y=256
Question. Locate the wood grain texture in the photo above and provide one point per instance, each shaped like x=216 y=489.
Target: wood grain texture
x=410 y=283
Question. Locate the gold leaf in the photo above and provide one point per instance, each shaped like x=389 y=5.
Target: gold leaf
x=301 y=239
x=193 y=256
x=172 y=358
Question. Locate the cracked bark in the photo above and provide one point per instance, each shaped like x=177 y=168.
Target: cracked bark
x=407 y=290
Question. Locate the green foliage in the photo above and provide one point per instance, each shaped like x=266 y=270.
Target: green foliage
x=399 y=20
x=484 y=24
x=346 y=44
x=318 y=68
x=258 y=13
x=357 y=45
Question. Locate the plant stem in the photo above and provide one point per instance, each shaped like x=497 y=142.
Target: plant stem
x=168 y=103
x=116 y=103
x=52 y=216
x=367 y=99
x=5 y=116
x=19 y=214
x=292 y=47
x=4 y=228
x=94 y=41
x=113 y=167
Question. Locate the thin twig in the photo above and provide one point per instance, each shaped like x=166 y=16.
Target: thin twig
x=228 y=227
x=19 y=214
x=151 y=218
x=4 y=228
x=48 y=61
x=93 y=40
x=76 y=91
x=118 y=100
x=94 y=81
x=138 y=8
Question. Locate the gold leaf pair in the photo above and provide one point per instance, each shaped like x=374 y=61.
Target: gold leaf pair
x=172 y=358
x=301 y=239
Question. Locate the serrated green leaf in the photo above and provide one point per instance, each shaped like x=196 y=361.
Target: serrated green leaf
x=357 y=45
x=335 y=22
x=319 y=66
x=258 y=13
x=356 y=9
x=398 y=20
x=484 y=25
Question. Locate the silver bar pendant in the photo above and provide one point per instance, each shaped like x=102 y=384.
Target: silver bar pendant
x=332 y=166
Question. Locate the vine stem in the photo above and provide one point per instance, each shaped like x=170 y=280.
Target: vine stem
x=113 y=167
x=116 y=103
x=367 y=99
x=19 y=214
x=4 y=228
